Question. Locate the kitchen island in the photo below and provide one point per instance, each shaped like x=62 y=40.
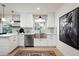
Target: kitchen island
x=8 y=42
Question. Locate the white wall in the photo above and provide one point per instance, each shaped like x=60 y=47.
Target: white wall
x=26 y=20
x=64 y=48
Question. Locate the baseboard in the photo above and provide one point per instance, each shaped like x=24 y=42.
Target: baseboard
x=45 y=46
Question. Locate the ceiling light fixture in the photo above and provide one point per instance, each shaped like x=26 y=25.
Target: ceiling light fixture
x=38 y=8
x=3 y=15
x=40 y=19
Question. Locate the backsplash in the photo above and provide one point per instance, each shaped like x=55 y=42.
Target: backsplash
x=51 y=30
x=28 y=30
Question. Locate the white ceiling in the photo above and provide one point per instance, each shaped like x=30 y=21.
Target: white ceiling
x=30 y=7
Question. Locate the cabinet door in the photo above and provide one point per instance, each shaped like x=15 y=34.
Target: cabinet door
x=10 y=44
x=37 y=42
x=26 y=20
x=40 y=42
x=51 y=41
x=43 y=42
x=13 y=42
x=50 y=20
x=4 y=46
x=21 y=39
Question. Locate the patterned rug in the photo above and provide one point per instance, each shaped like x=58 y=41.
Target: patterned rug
x=35 y=53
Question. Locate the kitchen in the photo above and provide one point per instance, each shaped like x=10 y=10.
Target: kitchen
x=39 y=29
x=10 y=33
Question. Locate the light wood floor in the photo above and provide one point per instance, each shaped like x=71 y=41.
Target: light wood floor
x=57 y=52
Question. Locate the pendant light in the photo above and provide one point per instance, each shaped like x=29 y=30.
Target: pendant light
x=40 y=19
x=12 y=17
x=3 y=15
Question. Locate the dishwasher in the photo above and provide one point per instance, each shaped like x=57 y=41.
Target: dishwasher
x=29 y=40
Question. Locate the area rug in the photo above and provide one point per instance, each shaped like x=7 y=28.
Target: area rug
x=35 y=53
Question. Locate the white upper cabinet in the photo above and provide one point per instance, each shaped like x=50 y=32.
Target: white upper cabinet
x=51 y=20
x=26 y=20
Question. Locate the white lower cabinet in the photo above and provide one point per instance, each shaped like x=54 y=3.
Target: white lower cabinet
x=37 y=42
x=4 y=46
x=7 y=44
x=13 y=42
x=21 y=40
x=43 y=42
x=49 y=41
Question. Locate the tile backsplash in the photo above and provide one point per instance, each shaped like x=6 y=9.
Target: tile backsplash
x=51 y=30
x=28 y=30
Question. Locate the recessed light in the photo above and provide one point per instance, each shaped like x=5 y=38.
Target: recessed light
x=3 y=19
x=38 y=8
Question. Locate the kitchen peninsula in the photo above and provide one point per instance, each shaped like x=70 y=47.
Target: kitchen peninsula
x=8 y=42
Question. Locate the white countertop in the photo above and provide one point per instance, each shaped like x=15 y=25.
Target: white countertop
x=35 y=33
x=10 y=34
x=27 y=33
x=51 y=33
x=7 y=35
